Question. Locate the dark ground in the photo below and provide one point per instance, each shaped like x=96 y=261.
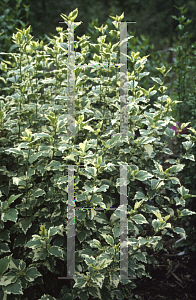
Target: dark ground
x=173 y=278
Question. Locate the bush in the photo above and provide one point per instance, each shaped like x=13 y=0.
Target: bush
x=10 y=19
x=184 y=112
x=36 y=148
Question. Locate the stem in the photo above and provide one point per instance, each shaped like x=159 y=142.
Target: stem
x=27 y=179
x=54 y=143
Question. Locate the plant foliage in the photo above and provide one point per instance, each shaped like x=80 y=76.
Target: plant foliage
x=35 y=151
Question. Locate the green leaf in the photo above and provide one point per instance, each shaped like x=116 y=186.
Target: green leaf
x=25 y=224
x=142 y=241
x=8 y=279
x=109 y=239
x=99 y=160
x=116 y=231
x=158 y=167
x=175 y=180
x=162 y=69
x=141 y=75
x=114 y=279
x=12 y=198
x=157 y=80
x=17 y=264
x=143 y=175
x=14 y=79
x=54 y=230
x=4 y=264
x=73 y=15
x=154 y=240
x=87 y=127
x=156 y=225
x=166 y=218
x=98 y=279
x=158 y=215
x=30 y=173
x=81 y=236
x=34 y=243
x=53 y=165
x=40 y=254
x=141 y=257
x=83 y=295
x=139 y=219
x=140 y=195
x=95 y=244
x=174 y=169
x=89 y=259
x=167 y=151
x=95 y=292
x=118 y=293
x=70 y=157
x=14 y=288
x=19 y=240
x=132 y=84
x=80 y=283
x=132 y=227
x=180 y=201
x=104 y=260
x=83 y=146
x=43 y=231
x=96 y=199
x=38 y=136
x=31 y=273
x=101 y=218
x=187 y=212
x=3 y=79
x=187 y=145
x=180 y=231
x=81 y=215
x=138 y=204
x=11 y=214
x=37 y=193
x=19 y=181
x=103 y=188
x=34 y=157
x=132 y=242
x=170 y=132
x=63 y=180
x=64 y=46
x=183 y=192
x=81 y=197
x=4 y=248
x=189 y=156
x=56 y=251
x=149 y=149
x=140 y=63
x=152 y=208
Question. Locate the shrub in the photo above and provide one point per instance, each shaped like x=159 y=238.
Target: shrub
x=184 y=112
x=36 y=150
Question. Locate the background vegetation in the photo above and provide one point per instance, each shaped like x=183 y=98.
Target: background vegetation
x=153 y=17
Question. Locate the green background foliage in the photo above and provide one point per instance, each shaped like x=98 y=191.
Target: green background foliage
x=153 y=18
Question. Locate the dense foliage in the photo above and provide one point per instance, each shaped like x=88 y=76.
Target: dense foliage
x=183 y=87
x=35 y=151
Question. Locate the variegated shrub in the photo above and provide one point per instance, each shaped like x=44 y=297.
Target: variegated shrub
x=35 y=152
